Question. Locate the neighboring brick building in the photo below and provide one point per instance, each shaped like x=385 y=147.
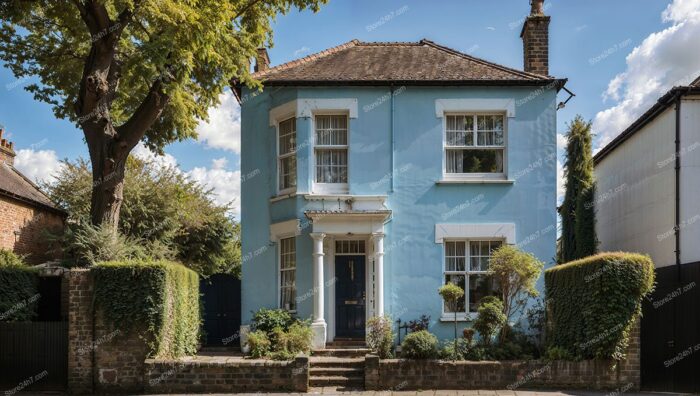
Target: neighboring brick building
x=25 y=212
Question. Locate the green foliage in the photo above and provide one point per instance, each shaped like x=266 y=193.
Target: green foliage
x=165 y=215
x=267 y=320
x=456 y=350
x=558 y=353
x=19 y=292
x=419 y=345
x=380 y=336
x=586 y=239
x=516 y=273
x=296 y=339
x=490 y=318
x=259 y=344
x=578 y=199
x=9 y=259
x=451 y=294
x=593 y=302
x=159 y=300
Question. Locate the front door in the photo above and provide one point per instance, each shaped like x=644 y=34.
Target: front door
x=222 y=309
x=350 y=296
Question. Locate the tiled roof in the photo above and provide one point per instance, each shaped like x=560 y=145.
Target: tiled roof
x=413 y=62
x=13 y=184
x=695 y=83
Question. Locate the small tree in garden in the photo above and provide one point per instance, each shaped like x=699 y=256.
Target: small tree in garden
x=380 y=337
x=451 y=294
x=516 y=273
x=490 y=317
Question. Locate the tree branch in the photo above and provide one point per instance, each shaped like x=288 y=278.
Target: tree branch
x=145 y=115
x=246 y=8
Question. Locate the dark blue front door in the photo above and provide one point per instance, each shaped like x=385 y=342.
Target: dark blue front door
x=350 y=296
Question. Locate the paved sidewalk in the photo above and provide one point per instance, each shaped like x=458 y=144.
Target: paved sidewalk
x=334 y=391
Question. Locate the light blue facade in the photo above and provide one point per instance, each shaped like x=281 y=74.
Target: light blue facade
x=405 y=166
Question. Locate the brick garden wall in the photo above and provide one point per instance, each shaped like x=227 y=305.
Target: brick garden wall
x=31 y=223
x=226 y=375
x=398 y=374
x=101 y=358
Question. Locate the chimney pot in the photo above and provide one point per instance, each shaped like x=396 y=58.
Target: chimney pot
x=7 y=152
x=537 y=7
x=262 y=60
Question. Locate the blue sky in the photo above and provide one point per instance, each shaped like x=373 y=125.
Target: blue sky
x=619 y=57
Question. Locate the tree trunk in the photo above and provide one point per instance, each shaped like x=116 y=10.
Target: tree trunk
x=108 y=167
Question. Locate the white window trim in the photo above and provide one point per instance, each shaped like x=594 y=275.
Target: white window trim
x=506 y=106
x=279 y=269
x=505 y=231
x=463 y=316
x=307 y=107
x=474 y=177
x=288 y=190
x=330 y=188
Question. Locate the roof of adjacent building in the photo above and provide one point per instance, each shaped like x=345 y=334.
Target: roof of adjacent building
x=666 y=101
x=384 y=63
x=15 y=185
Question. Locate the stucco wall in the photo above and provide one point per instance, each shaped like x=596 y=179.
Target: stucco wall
x=413 y=261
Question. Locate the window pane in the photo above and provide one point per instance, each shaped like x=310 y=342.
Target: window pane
x=490 y=130
x=287 y=249
x=331 y=130
x=288 y=172
x=480 y=286
x=331 y=166
x=287 y=136
x=474 y=161
x=460 y=131
x=458 y=280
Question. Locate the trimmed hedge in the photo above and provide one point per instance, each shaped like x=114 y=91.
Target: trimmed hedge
x=18 y=294
x=593 y=302
x=158 y=299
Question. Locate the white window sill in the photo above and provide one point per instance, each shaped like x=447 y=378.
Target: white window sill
x=283 y=195
x=475 y=181
x=447 y=317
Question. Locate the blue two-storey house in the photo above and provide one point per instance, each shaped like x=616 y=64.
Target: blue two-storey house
x=373 y=173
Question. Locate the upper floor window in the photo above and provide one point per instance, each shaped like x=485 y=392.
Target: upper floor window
x=286 y=154
x=474 y=144
x=467 y=265
x=331 y=149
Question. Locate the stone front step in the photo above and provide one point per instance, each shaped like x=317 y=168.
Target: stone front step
x=336 y=371
x=341 y=352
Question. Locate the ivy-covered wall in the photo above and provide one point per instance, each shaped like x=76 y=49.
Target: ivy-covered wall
x=593 y=303
x=18 y=293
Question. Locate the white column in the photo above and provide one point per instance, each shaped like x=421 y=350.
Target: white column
x=378 y=239
x=319 y=324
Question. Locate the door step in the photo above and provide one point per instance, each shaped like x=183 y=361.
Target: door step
x=338 y=372
x=341 y=352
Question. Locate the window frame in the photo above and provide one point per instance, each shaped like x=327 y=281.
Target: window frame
x=474 y=176
x=280 y=269
x=462 y=316
x=280 y=157
x=331 y=188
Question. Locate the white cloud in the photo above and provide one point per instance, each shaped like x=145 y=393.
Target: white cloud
x=226 y=184
x=663 y=60
x=223 y=130
x=41 y=165
x=143 y=153
x=560 y=182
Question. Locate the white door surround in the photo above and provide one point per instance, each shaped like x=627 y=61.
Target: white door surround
x=327 y=228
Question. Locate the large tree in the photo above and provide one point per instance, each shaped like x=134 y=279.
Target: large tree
x=133 y=70
x=578 y=237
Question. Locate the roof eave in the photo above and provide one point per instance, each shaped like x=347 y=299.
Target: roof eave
x=555 y=82
x=34 y=203
x=659 y=107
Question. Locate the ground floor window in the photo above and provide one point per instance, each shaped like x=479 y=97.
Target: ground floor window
x=466 y=265
x=288 y=264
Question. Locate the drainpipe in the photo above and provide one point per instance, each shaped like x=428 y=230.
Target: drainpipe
x=677 y=226
x=391 y=131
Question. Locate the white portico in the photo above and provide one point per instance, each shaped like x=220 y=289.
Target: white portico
x=348 y=264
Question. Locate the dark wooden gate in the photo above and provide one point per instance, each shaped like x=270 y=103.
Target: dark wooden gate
x=34 y=355
x=670 y=339
x=222 y=310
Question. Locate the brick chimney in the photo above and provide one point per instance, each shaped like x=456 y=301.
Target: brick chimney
x=7 y=152
x=262 y=61
x=535 y=35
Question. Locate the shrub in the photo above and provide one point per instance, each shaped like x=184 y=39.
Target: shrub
x=10 y=259
x=268 y=320
x=422 y=323
x=593 y=302
x=452 y=294
x=468 y=334
x=297 y=339
x=558 y=353
x=489 y=318
x=419 y=345
x=258 y=343
x=454 y=350
x=87 y=245
x=19 y=291
x=516 y=273
x=157 y=299
x=380 y=337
